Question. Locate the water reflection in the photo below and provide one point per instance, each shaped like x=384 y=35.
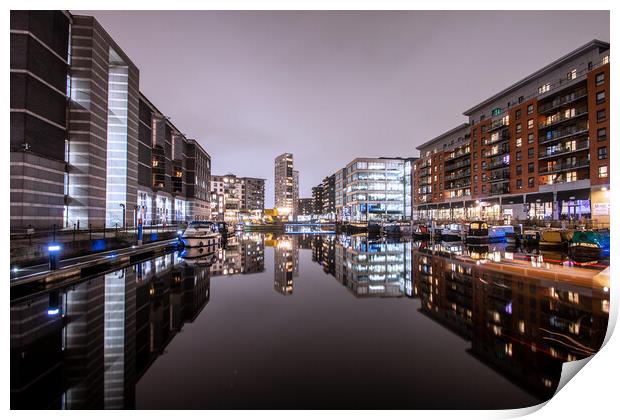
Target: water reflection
x=87 y=344
x=522 y=318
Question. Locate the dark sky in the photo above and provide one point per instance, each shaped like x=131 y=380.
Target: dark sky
x=332 y=86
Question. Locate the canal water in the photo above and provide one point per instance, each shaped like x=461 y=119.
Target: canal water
x=309 y=321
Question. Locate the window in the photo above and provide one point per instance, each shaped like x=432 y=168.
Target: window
x=605 y=60
x=475 y=188
x=602 y=153
x=475 y=155
x=521 y=99
x=571 y=176
x=518 y=128
x=482 y=117
x=496 y=111
x=600 y=115
x=530 y=182
x=519 y=184
x=518 y=155
x=530 y=167
x=544 y=88
x=571 y=74
x=602 y=171
x=484 y=165
x=517 y=114
x=475 y=178
x=530 y=124
x=530 y=138
x=519 y=169
x=475 y=167
x=600 y=97
x=484 y=177
x=530 y=152
x=599 y=79
x=530 y=109
x=484 y=188
x=519 y=142
x=601 y=134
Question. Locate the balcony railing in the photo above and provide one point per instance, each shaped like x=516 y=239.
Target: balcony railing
x=457 y=185
x=560 y=118
x=563 y=100
x=504 y=136
x=457 y=165
x=457 y=155
x=498 y=189
x=561 y=150
x=559 y=134
x=500 y=151
x=458 y=175
x=497 y=124
x=498 y=163
x=567 y=166
x=426 y=181
x=498 y=176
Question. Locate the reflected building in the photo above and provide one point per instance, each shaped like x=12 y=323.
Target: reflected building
x=87 y=345
x=285 y=264
x=324 y=252
x=243 y=254
x=521 y=323
x=369 y=267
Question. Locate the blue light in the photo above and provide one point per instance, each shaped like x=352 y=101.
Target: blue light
x=509 y=308
x=98 y=245
x=53 y=248
x=179 y=232
x=53 y=311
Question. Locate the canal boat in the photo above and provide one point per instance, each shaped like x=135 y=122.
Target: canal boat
x=201 y=234
x=530 y=238
x=589 y=245
x=199 y=256
x=554 y=239
x=453 y=232
x=478 y=233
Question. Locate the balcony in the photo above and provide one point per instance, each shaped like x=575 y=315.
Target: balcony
x=561 y=167
x=425 y=172
x=460 y=153
x=500 y=151
x=559 y=134
x=498 y=163
x=426 y=181
x=497 y=124
x=457 y=185
x=500 y=176
x=563 y=150
x=503 y=136
x=457 y=165
x=558 y=117
x=458 y=175
x=498 y=189
x=563 y=100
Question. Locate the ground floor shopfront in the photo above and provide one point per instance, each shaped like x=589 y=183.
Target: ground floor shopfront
x=586 y=204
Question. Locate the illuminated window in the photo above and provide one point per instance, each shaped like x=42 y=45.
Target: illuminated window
x=530 y=109
x=522 y=327
x=602 y=171
x=571 y=74
x=519 y=142
x=530 y=123
x=544 y=88
x=508 y=349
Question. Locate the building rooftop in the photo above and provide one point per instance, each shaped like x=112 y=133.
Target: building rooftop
x=444 y=135
x=595 y=43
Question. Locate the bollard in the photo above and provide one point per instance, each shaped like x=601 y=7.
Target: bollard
x=53 y=256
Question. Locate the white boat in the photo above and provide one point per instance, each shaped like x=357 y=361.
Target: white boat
x=201 y=234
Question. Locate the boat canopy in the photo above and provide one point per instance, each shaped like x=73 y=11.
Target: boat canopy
x=552 y=236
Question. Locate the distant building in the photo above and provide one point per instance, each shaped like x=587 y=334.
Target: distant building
x=374 y=189
x=305 y=207
x=234 y=199
x=284 y=182
x=295 y=191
